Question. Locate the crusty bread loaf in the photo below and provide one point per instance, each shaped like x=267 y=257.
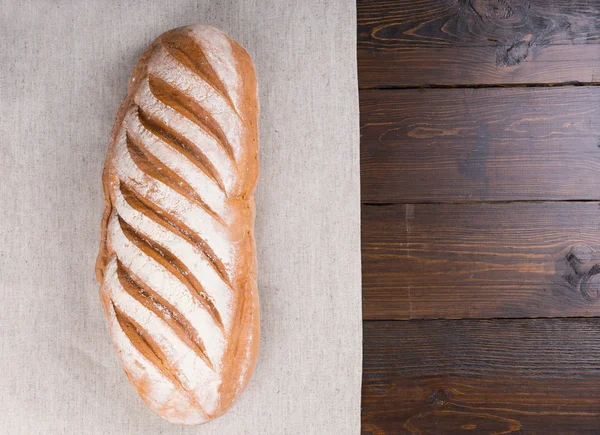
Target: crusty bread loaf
x=177 y=262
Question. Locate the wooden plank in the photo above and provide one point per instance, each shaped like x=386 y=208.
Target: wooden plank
x=526 y=376
x=476 y=66
x=445 y=42
x=481 y=260
x=480 y=144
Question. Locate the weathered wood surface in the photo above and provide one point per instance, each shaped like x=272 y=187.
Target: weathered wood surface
x=503 y=376
x=480 y=144
x=481 y=260
x=481 y=205
x=470 y=42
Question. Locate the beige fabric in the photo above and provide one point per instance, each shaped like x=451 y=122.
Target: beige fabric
x=64 y=67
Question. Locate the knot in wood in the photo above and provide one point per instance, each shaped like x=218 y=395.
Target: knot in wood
x=440 y=397
x=583 y=271
x=580 y=254
x=590 y=284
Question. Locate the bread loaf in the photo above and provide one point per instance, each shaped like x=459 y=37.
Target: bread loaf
x=177 y=262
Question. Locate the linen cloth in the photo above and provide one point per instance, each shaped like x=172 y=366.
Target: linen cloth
x=64 y=67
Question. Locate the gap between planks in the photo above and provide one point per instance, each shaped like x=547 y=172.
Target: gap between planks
x=508 y=201
x=483 y=319
x=479 y=86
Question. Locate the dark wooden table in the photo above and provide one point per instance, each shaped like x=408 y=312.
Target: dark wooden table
x=480 y=166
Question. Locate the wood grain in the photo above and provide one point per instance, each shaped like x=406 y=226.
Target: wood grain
x=480 y=144
x=443 y=377
x=451 y=42
x=481 y=202
x=481 y=260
